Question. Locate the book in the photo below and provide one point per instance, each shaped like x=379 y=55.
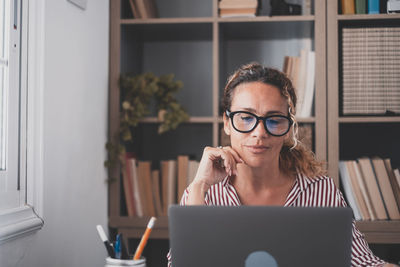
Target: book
x=301 y=84
x=172 y=182
x=144 y=174
x=392 y=178
x=155 y=181
x=231 y=4
x=151 y=8
x=127 y=181
x=164 y=185
x=373 y=6
x=295 y=71
x=363 y=188
x=361 y=6
x=373 y=188
x=237 y=8
x=396 y=173
x=137 y=194
x=238 y=12
x=348 y=190
x=356 y=186
x=385 y=188
x=142 y=9
x=192 y=170
x=134 y=9
x=305 y=135
x=306 y=6
x=348 y=7
x=169 y=183
x=308 y=99
x=183 y=168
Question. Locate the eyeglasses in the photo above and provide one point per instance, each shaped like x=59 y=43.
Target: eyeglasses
x=245 y=122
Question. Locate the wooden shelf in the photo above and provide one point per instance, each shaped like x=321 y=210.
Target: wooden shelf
x=166 y=21
x=267 y=19
x=369 y=119
x=380 y=232
x=369 y=17
x=191 y=120
x=217 y=19
x=219 y=120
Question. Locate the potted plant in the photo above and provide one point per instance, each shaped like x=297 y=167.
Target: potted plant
x=138 y=93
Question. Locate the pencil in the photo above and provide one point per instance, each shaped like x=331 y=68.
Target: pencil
x=144 y=239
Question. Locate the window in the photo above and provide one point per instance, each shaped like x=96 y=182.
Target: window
x=10 y=183
x=21 y=69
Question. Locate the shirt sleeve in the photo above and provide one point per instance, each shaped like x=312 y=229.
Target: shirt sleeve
x=361 y=254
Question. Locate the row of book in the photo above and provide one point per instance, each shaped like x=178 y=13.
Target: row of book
x=371 y=71
x=371 y=187
x=349 y=7
x=301 y=70
x=143 y=9
x=237 y=8
x=149 y=192
x=251 y=8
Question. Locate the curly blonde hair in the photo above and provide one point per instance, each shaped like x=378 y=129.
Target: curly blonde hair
x=294 y=156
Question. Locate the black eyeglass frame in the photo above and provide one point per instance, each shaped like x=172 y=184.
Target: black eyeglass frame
x=264 y=119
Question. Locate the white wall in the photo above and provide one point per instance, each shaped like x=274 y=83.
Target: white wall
x=75 y=130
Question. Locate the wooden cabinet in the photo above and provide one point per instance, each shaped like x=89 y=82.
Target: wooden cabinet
x=190 y=40
x=350 y=137
x=202 y=49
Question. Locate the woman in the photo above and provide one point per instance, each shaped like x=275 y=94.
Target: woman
x=265 y=164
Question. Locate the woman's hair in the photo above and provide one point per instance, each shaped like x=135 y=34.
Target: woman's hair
x=294 y=157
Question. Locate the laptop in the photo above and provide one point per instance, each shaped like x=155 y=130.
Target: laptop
x=255 y=236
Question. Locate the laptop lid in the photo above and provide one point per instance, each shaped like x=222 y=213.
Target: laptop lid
x=253 y=236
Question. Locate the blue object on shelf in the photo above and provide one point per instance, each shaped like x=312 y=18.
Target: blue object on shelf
x=373 y=6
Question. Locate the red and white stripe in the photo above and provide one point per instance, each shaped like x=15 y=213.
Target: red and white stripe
x=306 y=192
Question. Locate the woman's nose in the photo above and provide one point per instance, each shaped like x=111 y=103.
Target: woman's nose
x=260 y=130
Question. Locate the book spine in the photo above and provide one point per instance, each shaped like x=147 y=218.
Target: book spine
x=348 y=7
x=373 y=6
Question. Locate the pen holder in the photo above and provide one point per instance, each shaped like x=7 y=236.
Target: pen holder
x=111 y=262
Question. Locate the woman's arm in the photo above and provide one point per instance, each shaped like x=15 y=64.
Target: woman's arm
x=215 y=165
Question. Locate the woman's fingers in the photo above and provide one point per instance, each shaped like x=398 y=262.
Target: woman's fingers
x=216 y=163
x=231 y=159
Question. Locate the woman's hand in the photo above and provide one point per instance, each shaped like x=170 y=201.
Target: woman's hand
x=215 y=164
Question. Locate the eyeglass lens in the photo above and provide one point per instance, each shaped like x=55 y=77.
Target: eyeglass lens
x=245 y=122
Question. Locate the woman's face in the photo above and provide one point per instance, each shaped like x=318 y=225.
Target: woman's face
x=257 y=148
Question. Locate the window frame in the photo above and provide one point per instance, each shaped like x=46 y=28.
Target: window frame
x=26 y=219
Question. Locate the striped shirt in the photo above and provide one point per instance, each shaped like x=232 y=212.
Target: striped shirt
x=306 y=192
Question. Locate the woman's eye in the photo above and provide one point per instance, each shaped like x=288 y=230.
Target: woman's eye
x=246 y=118
x=274 y=122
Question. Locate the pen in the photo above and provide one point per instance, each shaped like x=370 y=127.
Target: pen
x=144 y=239
x=105 y=241
x=117 y=248
x=124 y=250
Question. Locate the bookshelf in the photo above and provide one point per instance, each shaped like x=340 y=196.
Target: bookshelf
x=190 y=40
x=350 y=137
x=202 y=49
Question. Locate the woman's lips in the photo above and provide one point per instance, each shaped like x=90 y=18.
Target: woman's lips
x=257 y=149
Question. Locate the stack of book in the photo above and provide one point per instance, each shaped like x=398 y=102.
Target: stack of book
x=149 y=192
x=301 y=71
x=371 y=71
x=372 y=188
x=238 y=8
x=143 y=9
